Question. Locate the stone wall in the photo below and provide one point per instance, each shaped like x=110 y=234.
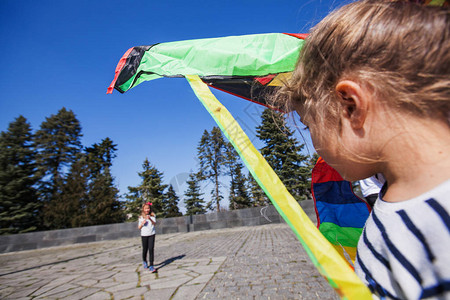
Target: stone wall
x=243 y=217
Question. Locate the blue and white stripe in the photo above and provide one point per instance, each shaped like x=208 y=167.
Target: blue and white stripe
x=404 y=250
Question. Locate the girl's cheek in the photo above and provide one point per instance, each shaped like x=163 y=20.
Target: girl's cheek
x=322 y=144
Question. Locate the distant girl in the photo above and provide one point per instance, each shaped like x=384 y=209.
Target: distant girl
x=147 y=221
x=373 y=85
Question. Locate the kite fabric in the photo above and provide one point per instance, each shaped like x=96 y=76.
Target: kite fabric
x=341 y=214
x=248 y=61
x=248 y=66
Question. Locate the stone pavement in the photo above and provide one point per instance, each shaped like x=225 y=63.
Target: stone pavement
x=261 y=262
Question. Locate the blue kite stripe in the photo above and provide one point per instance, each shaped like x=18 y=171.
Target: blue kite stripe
x=341 y=190
x=344 y=215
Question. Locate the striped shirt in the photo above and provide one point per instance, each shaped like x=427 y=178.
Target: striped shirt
x=404 y=250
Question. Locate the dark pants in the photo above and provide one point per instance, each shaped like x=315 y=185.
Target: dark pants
x=148 y=244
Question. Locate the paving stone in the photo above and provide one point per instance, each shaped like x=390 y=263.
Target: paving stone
x=261 y=262
x=68 y=292
x=174 y=282
x=62 y=288
x=121 y=287
x=189 y=292
x=5 y=290
x=18 y=293
x=160 y=294
x=103 y=276
x=201 y=279
x=99 y=296
x=134 y=293
x=41 y=288
x=86 y=282
x=83 y=293
x=104 y=284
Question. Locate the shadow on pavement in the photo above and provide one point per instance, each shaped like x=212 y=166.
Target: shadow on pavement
x=169 y=261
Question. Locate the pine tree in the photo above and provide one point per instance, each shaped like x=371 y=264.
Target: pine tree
x=150 y=190
x=58 y=144
x=238 y=197
x=257 y=194
x=241 y=197
x=283 y=152
x=19 y=208
x=171 y=208
x=100 y=156
x=193 y=201
x=104 y=206
x=133 y=204
x=70 y=209
x=211 y=156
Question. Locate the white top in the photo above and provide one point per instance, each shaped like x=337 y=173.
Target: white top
x=148 y=228
x=404 y=249
x=371 y=185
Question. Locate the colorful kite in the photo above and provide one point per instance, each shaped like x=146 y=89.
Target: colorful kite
x=341 y=214
x=247 y=66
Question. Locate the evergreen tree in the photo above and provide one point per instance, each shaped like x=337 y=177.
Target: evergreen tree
x=70 y=209
x=257 y=194
x=171 y=207
x=19 y=208
x=103 y=205
x=150 y=190
x=101 y=155
x=241 y=198
x=87 y=195
x=211 y=156
x=133 y=204
x=283 y=153
x=58 y=144
x=193 y=201
x=238 y=190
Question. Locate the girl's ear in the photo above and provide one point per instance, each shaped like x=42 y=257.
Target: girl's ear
x=354 y=101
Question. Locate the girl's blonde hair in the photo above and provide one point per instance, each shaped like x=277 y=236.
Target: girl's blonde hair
x=398 y=49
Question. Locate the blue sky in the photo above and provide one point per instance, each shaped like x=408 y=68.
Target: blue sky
x=63 y=53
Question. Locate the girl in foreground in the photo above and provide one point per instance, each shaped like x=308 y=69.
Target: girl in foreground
x=373 y=85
